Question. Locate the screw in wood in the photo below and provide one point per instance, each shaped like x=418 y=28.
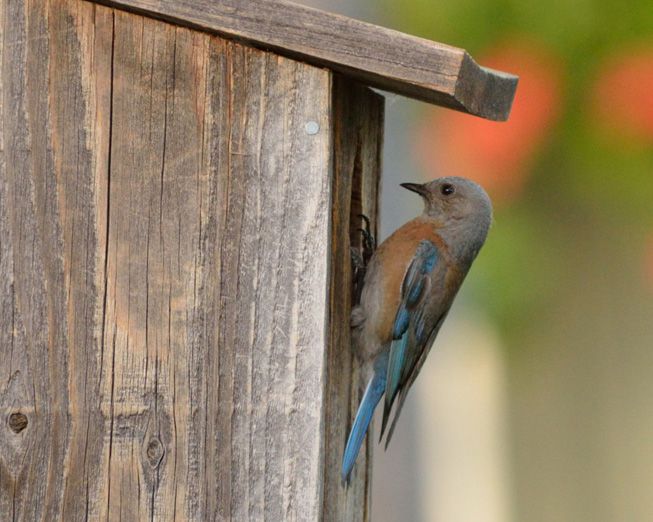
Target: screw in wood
x=312 y=127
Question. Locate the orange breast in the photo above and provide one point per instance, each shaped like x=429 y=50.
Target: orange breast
x=395 y=255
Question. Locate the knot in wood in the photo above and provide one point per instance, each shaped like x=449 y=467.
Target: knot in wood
x=17 y=422
x=154 y=452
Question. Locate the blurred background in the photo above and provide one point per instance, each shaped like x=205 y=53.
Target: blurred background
x=537 y=402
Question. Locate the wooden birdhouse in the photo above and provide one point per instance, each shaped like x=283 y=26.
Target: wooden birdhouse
x=179 y=180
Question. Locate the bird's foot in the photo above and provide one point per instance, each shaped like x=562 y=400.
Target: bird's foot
x=360 y=257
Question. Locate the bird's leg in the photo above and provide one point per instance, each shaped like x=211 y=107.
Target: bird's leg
x=358 y=274
x=360 y=257
x=369 y=241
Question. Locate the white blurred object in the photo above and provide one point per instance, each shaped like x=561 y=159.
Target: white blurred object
x=461 y=427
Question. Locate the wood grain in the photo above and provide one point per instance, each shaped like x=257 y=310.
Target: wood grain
x=55 y=120
x=358 y=139
x=380 y=57
x=169 y=273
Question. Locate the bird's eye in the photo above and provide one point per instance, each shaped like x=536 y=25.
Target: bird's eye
x=447 y=189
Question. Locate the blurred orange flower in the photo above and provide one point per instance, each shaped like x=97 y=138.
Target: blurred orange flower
x=622 y=96
x=497 y=154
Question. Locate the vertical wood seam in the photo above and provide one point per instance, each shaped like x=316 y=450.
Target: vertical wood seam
x=106 y=266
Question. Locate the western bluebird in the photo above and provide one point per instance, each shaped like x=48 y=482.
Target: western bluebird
x=409 y=285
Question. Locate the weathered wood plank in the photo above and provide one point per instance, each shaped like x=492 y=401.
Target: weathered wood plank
x=259 y=333
x=52 y=174
x=274 y=287
x=358 y=135
x=391 y=60
x=167 y=288
x=79 y=75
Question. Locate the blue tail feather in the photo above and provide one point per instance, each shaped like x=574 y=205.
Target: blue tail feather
x=371 y=398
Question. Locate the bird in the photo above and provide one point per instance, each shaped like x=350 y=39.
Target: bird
x=408 y=286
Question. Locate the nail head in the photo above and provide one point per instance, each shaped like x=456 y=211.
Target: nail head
x=312 y=127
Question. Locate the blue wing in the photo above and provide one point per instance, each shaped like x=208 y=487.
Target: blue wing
x=413 y=367
x=409 y=330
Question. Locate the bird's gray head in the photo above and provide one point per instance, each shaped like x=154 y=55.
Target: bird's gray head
x=455 y=203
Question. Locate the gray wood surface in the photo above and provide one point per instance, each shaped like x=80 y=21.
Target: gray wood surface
x=358 y=139
x=173 y=272
x=54 y=135
x=380 y=57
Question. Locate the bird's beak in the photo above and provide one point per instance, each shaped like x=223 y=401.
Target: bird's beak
x=416 y=187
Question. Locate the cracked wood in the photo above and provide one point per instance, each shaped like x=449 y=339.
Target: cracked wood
x=170 y=312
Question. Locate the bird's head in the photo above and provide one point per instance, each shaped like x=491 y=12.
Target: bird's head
x=454 y=201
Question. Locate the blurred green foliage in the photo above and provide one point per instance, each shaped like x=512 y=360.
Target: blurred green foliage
x=578 y=29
